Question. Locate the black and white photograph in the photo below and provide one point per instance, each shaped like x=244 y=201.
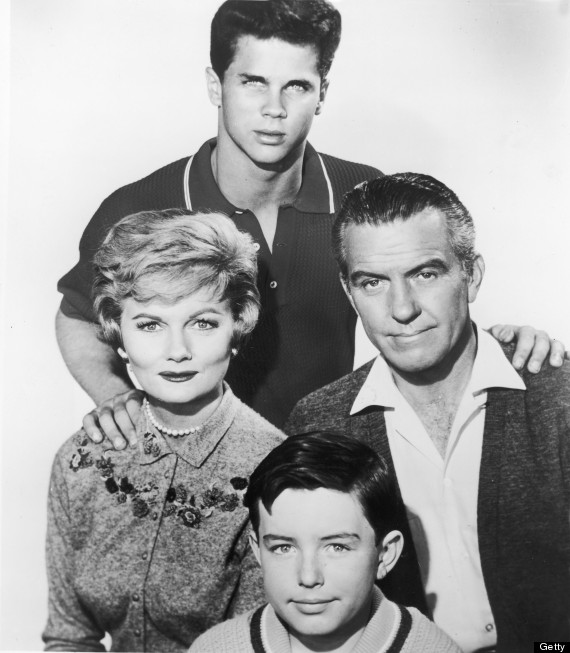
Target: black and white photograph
x=285 y=359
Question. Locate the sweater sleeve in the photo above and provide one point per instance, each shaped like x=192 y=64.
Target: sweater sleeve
x=69 y=626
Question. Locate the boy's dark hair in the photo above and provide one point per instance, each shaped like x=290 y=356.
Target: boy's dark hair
x=300 y=22
x=331 y=461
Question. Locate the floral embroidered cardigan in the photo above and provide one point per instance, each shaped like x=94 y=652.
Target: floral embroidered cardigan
x=149 y=544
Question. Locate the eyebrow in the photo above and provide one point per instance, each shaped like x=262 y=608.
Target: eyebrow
x=436 y=263
x=335 y=536
x=158 y=318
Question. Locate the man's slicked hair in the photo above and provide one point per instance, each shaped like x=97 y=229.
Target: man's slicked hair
x=300 y=22
x=399 y=197
x=331 y=461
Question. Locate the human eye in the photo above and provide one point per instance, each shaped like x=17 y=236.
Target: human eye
x=148 y=325
x=338 y=547
x=298 y=86
x=281 y=549
x=202 y=324
x=253 y=82
x=371 y=285
x=427 y=275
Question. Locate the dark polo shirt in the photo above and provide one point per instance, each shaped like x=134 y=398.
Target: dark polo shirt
x=305 y=335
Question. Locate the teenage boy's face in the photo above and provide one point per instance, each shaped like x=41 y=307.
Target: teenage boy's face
x=269 y=96
x=319 y=560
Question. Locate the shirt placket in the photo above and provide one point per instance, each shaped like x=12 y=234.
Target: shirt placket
x=162 y=472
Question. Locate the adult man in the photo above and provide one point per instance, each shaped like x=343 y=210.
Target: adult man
x=482 y=456
x=268 y=79
x=322 y=509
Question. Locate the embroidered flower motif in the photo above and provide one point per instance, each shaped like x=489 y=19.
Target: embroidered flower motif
x=80 y=460
x=150 y=445
x=212 y=497
x=191 y=517
x=111 y=485
x=140 y=508
x=229 y=503
x=239 y=483
x=105 y=466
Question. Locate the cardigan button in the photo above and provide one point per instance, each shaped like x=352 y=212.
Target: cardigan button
x=137 y=632
x=136 y=597
x=273 y=285
x=489 y=627
x=144 y=555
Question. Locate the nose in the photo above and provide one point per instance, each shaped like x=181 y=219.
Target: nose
x=273 y=106
x=310 y=572
x=179 y=347
x=404 y=304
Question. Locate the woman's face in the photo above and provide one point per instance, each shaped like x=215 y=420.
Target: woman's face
x=179 y=352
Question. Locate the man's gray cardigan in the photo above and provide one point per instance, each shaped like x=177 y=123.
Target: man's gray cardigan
x=523 y=504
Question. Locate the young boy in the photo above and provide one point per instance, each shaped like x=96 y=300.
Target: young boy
x=322 y=510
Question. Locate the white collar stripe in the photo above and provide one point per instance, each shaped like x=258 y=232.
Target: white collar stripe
x=186 y=182
x=329 y=185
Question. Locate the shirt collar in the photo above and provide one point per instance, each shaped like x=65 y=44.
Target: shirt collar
x=193 y=448
x=491 y=369
x=315 y=194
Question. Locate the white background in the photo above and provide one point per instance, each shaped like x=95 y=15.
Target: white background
x=105 y=91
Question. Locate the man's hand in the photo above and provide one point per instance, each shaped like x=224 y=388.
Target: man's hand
x=533 y=347
x=116 y=419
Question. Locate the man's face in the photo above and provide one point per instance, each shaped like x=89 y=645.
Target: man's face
x=319 y=560
x=410 y=290
x=269 y=96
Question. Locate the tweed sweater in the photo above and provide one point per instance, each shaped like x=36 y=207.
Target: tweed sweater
x=305 y=334
x=391 y=629
x=150 y=544
x=523 y=500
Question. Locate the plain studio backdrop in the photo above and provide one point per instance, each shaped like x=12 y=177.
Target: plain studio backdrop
x=103 y=92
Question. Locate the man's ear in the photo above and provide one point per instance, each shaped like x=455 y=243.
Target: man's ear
x=214 y=86
x=346 y=288
x=254 y=544
x=476 y=278
x=390 y=551
x=322 y=96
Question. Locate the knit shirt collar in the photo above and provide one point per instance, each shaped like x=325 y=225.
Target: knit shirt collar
x=379 y=634
x=314 y=196
x=196 y=447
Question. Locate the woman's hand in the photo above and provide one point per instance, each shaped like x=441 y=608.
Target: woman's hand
x=533 y=347
x=115 y=419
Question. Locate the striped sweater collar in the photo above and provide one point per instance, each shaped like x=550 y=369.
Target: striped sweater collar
x=386 y=632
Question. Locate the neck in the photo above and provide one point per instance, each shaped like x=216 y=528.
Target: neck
x=445 y=382
x=255 y=186
x=185 y=415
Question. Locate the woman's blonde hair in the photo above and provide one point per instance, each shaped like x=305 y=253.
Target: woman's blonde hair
x=169 y=255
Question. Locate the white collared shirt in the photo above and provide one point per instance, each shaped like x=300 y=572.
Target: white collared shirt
x=442 y=508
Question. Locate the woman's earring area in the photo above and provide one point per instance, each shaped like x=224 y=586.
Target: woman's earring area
x=234 y=352
x=123 y=354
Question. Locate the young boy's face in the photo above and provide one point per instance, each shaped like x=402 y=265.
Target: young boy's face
x=319 y=559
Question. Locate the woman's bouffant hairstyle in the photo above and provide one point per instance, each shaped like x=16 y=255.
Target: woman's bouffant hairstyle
x=332 y=461
x=316 y=23
x=399 y=197
x=169 y=255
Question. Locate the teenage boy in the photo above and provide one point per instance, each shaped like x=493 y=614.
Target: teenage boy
x=268 y=79
x=322 y=509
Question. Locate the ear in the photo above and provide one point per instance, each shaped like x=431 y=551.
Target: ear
x=476 y=278
x=322 y=96
x=254 y=544
x=390 y=551
x=214 y=86
x=346 y=288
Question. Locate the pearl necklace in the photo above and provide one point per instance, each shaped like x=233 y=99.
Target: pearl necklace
x=176 y=433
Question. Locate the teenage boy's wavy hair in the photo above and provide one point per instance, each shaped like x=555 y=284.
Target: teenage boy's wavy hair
x=300 y=22
x=331 y=461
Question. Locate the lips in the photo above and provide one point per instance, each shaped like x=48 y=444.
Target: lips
x=178 y=377
x=312 y=606
x=270 y=137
